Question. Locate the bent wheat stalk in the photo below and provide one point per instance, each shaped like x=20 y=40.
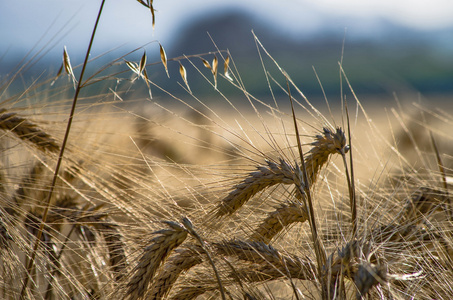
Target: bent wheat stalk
x=191 y=230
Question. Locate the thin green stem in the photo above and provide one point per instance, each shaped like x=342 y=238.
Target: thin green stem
x=60 y=158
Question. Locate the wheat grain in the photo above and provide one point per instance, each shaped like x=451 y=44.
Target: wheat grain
x=285 y=215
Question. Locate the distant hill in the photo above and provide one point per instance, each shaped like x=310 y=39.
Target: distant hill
x=393 y=58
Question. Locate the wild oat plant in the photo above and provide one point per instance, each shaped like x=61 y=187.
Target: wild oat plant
x=227 y=197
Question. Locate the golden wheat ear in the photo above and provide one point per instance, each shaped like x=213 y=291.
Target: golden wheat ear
x=285 y=215
x=184 y=260
x=264 y=177
x=325 y=144
x=26 y=130
x=153 y=255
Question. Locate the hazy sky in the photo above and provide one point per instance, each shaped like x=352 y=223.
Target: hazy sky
x=69 y=22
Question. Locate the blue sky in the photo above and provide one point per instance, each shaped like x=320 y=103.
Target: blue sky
x=125 y=22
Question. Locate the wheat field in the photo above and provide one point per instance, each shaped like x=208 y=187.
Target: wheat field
x=183 y=197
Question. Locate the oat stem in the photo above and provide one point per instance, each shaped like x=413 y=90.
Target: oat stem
x=60 y=158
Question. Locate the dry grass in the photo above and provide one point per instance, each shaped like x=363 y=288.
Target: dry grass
x=272 y=218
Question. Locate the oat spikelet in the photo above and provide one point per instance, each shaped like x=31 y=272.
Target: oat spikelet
x=183 y=261
x=285 y=215
x=153 y=255
x=28 y=131
x=257 y=181
x=215 y=64
x=226 y=73
x=326 y=144
x=163 y=58
x=206 y=63
x=183 y=73
x=67 y=66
